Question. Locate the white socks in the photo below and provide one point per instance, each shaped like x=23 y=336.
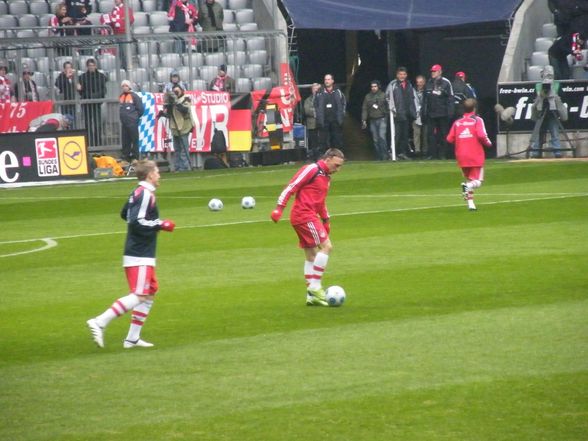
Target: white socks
x=139 y=316
x=308 y=272
x=118 y=308
x=318 y=268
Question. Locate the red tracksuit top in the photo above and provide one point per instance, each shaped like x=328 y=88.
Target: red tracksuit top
x=469 y=136
x=310 y=184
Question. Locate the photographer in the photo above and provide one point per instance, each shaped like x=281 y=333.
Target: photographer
x=177 y=109
x=547 y=111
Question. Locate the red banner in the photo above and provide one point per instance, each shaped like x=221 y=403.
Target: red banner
x=16 y=117
x=285 y=101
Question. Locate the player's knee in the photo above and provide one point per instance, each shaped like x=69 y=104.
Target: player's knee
x=146 y=298
x=326 y=247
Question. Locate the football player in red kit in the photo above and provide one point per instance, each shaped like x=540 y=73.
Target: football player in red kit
x=310 y=218
x=143 y=223
x=469 y=136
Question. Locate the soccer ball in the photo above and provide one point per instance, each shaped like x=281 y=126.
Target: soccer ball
x=215 y=205
x=247 y=202
x=335 y=295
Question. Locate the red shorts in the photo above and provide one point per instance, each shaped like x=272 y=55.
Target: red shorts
x=473 y=173
x=142 y=280
x=311 y=234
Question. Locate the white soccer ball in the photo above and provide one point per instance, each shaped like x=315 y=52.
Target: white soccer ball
x=215 y=205
x=247 y=202
x=335 y=295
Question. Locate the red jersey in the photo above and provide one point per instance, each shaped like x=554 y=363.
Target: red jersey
x=469 y=136
x=310 y=184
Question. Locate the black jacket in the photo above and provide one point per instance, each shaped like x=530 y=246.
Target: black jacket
x=438 y=100
x=323 y=99
x=66 y=87
x=131 y=108
x=93 y=85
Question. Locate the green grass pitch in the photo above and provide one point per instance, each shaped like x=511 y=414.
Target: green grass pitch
x=458 y=326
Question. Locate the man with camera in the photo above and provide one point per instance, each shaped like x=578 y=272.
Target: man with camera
x=547 y=111
x=177 y=109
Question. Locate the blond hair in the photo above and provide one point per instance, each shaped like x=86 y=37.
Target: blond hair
x=143 y=168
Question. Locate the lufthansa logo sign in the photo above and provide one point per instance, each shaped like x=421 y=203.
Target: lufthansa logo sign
x=72 y=155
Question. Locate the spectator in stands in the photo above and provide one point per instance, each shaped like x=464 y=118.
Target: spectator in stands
x=211 y=19
x=177 y=111
x=78 y=10
x=547 y=112
x=174 y=80
x=131 y=109
x=117 y=21
x=5 y=86
x=569 y=15
x=60 y=21
x=570 y=44
x=162 y=5
x=419 y=129
x=330 y=105
x=310 y=119
x=461 y=91
x=182 y=16
x=26 y=88
x=223 y=82
x=92 y=86
x=437 y=112
x=375 y=111
x=211 y=16
x=400 y=96
x=66 y=86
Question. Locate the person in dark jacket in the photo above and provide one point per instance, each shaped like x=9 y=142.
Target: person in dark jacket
x=66 y=86
x=400 y=96
x=570 y=44
x=437 y=111
x=461 y=91
x=330 y=104
x=79 y=10
x=310 y=120
x=92 y=85
x=375 y=111
x=26 y=89
x=182 y=17
x=131 y=109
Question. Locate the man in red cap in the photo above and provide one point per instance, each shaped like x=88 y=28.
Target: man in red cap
x=461 y=91
x=437 y=111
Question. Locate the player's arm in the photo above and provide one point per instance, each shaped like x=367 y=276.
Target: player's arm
x=136 y=212
x=325 y=217
x=300 y=179
x=481 y=133
x=451 y=135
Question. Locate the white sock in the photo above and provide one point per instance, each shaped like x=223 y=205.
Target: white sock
x=474 y=184
x=318 y=268
x=308 y=272
x=138 y=318
x=118 y=308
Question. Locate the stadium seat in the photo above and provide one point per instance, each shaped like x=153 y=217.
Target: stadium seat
x=149 y=62
x=255 y=43
x=208 y=73
x=166 y=47
x=141 y=30
x=28 y=21
x=139 y=75
x=40 y=79
x=230 y=27
x=184 y=73
x=258 y=57
x=243 y=85
x=171 y=60
x=542 y=44
x=94 y=17
x=549 y=30
x=136 y=5
x=262 y=83
x=8 y=21
x=238 y=57
x=43 y=64
x=215 y=59
x=82 y=59
x=162 y=74
x=539 y=59
x=164 y=29
x=39 y=8
x=147 y=47
x=248 y=27
x=578 y=73
x=149 y=5
x=158 y=18
x=112 y=89
x=3 y=8
x=36 y=51
x=26 y=33
x=199 y=84
x=244 y=16
x=239 y=4
x=29 y=62
x=252 y=70
x=18 y=8
x=43 y=93
x=194 y=59
x=235 y=44
x=534 y=73
x=223 y=3
x=105 y=6
x=229 y=16
x=141 y=19
x=107 y=62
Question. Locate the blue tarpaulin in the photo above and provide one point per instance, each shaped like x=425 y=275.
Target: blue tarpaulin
x=395 y=14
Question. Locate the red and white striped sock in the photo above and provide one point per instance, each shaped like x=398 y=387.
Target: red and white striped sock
x=318 y=268
x=308 y=272
x=139 y=316
x=118 y=308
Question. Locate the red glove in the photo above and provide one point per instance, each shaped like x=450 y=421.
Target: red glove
x=277 y=213
x=168 y=225
x=327 y=226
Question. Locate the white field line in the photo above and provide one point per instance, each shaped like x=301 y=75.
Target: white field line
x=49 y=243
x=351 y=213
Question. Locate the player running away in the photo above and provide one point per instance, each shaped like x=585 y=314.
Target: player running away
x=143 y=223
x=310 y=218
x=469 y=136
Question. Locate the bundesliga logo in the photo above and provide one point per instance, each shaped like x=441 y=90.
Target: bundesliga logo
x=47 y=157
